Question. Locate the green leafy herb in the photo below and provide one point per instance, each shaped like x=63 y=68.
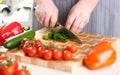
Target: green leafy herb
x=61 y=35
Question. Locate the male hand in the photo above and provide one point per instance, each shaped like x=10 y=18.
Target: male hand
x=78 y=16
x=46 y=12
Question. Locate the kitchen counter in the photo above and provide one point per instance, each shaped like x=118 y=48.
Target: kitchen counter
x=111 y=70
x=37 y=70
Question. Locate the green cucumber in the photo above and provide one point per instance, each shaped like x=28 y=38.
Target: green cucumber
x=15 y=41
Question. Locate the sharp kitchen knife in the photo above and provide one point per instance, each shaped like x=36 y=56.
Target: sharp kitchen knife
x=75 y=37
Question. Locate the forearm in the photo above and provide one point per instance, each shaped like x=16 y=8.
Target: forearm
x=93 y=2
x=90 y=3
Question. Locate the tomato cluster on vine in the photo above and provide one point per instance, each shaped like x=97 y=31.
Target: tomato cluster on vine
x=35 y=48
x=10 y=66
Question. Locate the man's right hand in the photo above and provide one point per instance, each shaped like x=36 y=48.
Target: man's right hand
x=46 y=12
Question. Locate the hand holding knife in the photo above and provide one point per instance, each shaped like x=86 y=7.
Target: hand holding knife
x=75 y=37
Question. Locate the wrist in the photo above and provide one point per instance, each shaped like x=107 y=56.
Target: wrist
x=89 y=3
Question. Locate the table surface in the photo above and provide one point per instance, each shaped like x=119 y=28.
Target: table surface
x=114 y=69
x=110 y=70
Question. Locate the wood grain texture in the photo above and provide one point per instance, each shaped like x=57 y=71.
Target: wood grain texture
x=88 y=41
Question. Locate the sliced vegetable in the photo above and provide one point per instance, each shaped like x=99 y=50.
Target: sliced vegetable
x=101 y=55
x=15 y=41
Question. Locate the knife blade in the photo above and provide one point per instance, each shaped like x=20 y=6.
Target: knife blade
x=75 y=37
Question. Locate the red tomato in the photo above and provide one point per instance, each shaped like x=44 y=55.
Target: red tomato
x=47 y=54
x=3 y=56
x=46 y=48
x=101 y=55
x=1 y=72
x=8 y=70
x=40 y=52
x=10 y=66
x=67 y=55
x=22 y=72
x=57 y=54
x=52 y=49
x=24 y=49
x=37 y=43
x=11 y=63
x=15 y=64
x=31 y=51
x=73 y=48
x=25 y=40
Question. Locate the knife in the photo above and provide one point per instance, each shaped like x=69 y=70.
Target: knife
x=75 y=37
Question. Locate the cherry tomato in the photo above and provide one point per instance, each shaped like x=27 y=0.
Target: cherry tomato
x=10 y=67
x=15 y=64
x=57 y=54
x=1 y=72
x=73 y=48
x=25 y=41
x=8 y=70
x=46 y=48
x=3 y=56
x=22 y=71
x=47 y=54
x=11 y=62
x=24 y=49
x=67 y=55
x=40 y=52
x=31 y=51
x=37 y=43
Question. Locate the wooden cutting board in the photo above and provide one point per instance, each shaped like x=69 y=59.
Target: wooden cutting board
x=88 y=41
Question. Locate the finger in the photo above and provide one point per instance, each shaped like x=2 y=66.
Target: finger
x=53 y=20
x=75 y=24
x=39 y=17
x=80 y=27
x=46 y=21
x=41 y=20
x=70 y=20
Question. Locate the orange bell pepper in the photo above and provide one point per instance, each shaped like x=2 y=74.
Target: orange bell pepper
x=101 y=55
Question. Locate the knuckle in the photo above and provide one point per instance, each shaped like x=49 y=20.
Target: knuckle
x=52 y=23
x=68 y=22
